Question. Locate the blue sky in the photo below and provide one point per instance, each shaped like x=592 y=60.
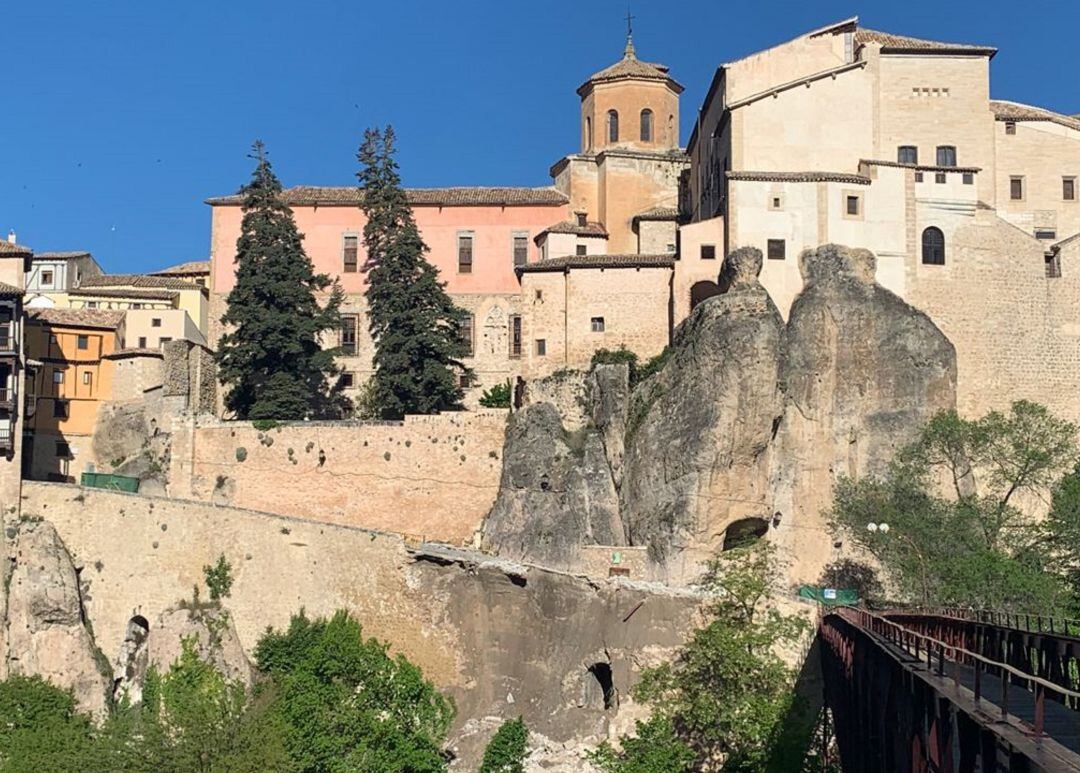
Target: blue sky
x=121 y=117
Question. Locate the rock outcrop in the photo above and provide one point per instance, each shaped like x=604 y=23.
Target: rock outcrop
x=128 y=440
x=160 y=644
x=699 y=430
x=863 y=372
x=47 y=631
x=556 y=491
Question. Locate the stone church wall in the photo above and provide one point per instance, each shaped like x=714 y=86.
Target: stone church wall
x=429 y=477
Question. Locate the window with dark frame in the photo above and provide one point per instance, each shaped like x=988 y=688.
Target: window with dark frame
x=1068 y=188
x=83 y=342
x=776 y=249
x=348 y=380
x=155 y=322
x=581 y=249
x=613 y=125
x=348 y=334
x=1010 y=127
x=350 y=253
x=646 y=125
x=597 y=324
x=907 y=154
x=142 y=342
x=852 y=204
x=521 y=249
x=933 y=247
x=61 y=409
x=466 y=331
x=465 y=253
x=969 y=178
x=708 y=252
x=515 y=335
x=918 y=177
x=940 y=178
x=541 y=347
x=58 y=376
x=1045 y=234
x=1016 y=188
x=46 y=277
x=582 y=219
x=88 y=378
x=946 y=155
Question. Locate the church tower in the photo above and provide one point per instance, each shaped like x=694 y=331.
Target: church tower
x=631 y=104
x=623 y=185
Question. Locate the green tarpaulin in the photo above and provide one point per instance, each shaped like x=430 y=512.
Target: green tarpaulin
x=832 y=597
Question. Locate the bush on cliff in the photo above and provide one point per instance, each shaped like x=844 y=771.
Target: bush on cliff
x=271 y=358
x=346 y=704
x=40 y=728
x=956 y=532
x=507 y=749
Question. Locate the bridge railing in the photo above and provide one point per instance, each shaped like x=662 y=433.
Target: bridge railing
x=1023 y=621
x=927 y=648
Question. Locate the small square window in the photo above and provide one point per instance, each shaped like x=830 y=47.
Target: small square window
x=1010 y=127
x=775 y=249
x=46 y=277
x=1016 y=188
x=969 y=178
x=348 y=380
x=155 y=322
x=539 y=296
x=776 y=203
x=907 y=154
x=582 y=250
x=91 y=304
x=708 y=252
x=136 y=305
x=63 y=450
x=58 y=377
x=142 y=342
x=83 y=342
x=852 y=204
x=940 y=178
x=541 y=347
x=918 y=177
x=1068 y=188
x=464 y=381
x=670 y=248
x=582 y=219
x=598 y=324
x=61 y=409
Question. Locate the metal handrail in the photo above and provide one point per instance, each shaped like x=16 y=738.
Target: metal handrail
x=1031 y=622
x=881 y=625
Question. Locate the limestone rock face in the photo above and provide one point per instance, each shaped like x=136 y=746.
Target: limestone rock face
x=161 y=643
x=608 y=399
x=556 y=492
x=699 y=430
x=47 y=633
x=862 y=373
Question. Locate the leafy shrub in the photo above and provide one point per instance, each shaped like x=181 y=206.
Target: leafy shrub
x=620 y=356
x=219 y=579
x=849 y=574
x=497 y=397
x=507 y=749
x=265 y=425
x=652 y=367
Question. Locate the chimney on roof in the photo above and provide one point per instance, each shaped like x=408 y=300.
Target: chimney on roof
x=11 y=236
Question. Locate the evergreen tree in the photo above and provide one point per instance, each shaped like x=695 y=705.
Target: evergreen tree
x=414 y=324
x=271 y=358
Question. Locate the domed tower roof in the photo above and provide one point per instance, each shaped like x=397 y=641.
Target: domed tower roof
x=631 y=68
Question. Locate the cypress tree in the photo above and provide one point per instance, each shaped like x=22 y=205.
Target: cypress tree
x=415 y=325
x=271 y=358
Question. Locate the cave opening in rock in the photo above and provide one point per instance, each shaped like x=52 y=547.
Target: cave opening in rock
x=744 y=532
x=701 y=291
x=602 y=673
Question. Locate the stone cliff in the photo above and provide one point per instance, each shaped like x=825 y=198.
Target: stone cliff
x=742 y=432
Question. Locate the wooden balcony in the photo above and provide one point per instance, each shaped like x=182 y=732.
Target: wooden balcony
x=9 y=343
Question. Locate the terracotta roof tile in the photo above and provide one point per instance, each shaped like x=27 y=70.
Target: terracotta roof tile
x=801 y=177
x=658 y=213
x=8 y=249
x=599 y=261
x=922 y=167
x=571 y=227
x=54 y=255
x=630 y=67
x=137 y=280
x=10 y=291
x=185 y=269
x=901 y=43
x=1015 y=111
x=310 y=195
x=98 y=318
x=133 y=352
x=111 y=292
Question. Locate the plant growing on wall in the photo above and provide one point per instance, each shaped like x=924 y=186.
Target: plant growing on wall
x=219 y=579
x=415 y=325
x=271 y=357
x=507 y=749
x=497 y=397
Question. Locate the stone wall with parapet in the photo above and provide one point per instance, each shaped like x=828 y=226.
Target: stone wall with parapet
x=503 y=639
x=430 y=477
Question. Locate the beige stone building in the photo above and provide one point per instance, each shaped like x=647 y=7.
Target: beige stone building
x=892 y=143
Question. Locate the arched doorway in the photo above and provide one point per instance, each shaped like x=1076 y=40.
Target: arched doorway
x=701 y=291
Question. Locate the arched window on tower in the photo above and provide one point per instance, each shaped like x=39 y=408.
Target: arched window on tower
x=933 y=247
x=588 y=133
x=612 y=126
x=646 y=125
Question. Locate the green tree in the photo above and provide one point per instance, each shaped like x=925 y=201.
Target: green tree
x=219 y=578
x=1063 y=532
x=271 y=357
x=415 y=325
x=345 y=704
x=40 y=728
x=726 y=694
x=507 y=749
x=956 y=531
